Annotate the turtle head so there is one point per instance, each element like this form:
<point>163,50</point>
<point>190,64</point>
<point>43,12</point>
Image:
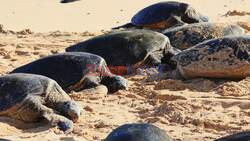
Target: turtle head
<point>204,18</point>
<point>71,110</point>
<point>191,15</point>
<point>114,83</point>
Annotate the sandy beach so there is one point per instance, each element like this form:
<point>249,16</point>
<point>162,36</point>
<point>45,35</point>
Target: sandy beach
<point>193,110</point>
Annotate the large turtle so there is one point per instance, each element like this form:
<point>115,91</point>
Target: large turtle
<point>75,71</point>
<point>164,15</point>
<point>187,36</point>
<point>127,49</point>
<point>226,57</point>
<point>138,132</point>
<point>242,136</point>
<point>29,98</point>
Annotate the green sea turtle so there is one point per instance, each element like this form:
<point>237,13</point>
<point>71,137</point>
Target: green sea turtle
<point>75,71</point>
<point>29,98</point>
<point>226,57</point>
<point>128,50</point>
<point>242,136</point>
<point>138,132</point>
<point>187,36</point>
<point>163,15</point>
<point>67,1</point>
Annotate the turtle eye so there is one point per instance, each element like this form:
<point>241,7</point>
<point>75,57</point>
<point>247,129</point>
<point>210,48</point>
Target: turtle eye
<point>66,105</point>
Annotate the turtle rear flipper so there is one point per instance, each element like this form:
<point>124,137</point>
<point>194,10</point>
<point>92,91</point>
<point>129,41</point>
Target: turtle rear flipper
<point>128,25</point>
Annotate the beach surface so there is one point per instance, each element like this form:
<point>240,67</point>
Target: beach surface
<point>193,110</point>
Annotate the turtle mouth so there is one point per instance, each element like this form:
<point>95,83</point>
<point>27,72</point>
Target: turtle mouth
<point>73,116</point>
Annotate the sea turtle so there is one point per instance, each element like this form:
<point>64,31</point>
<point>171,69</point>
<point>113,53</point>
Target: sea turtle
<point>138,132</point>
<point>2,139</point>
<point>67,1</point>
<point>187,36</point>
<point>125,51</point>
<point>242,136</point>
<point>163,15</point>
<point>226,57</point>
<point>75,71</point>
<point>30,97</point>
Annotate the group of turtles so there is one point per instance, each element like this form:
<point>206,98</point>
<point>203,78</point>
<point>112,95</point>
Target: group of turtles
<point>171,34</point>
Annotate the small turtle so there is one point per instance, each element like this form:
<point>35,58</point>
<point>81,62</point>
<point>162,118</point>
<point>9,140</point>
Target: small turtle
<point>67,1</point>
<point>242,136</point>
<point>138,132</point>
<point>2,139</point>
<point>187,36</point>
<point>127,49</point>
<point>29,98</point>
<point>164,15</point>
<point>75,71</point>
<point>226,57</point>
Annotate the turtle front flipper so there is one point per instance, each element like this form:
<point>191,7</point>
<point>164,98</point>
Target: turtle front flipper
<point>32,110</point>
<point>54,119</point>
<point>174,21</point>
<point>167,57</point>
<point>87,82</point>
<point>151,61</point>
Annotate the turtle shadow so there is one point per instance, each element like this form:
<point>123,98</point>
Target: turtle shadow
<point>223,87</point>
<point>195,85</point>
<point>35,127</point>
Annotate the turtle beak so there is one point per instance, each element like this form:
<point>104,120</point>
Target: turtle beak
<point>73,116</point>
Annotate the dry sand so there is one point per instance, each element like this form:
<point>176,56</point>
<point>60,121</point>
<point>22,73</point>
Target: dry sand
<point>198,109</point>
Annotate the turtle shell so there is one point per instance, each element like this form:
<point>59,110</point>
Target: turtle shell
<point>14,88</point>
<point>66,69</point>
<point>187,36</point>
<point>226,57</point>
<point>241,136</point>
<point>161,11</point>
<point>123,48</point>
<point>138,132</point>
